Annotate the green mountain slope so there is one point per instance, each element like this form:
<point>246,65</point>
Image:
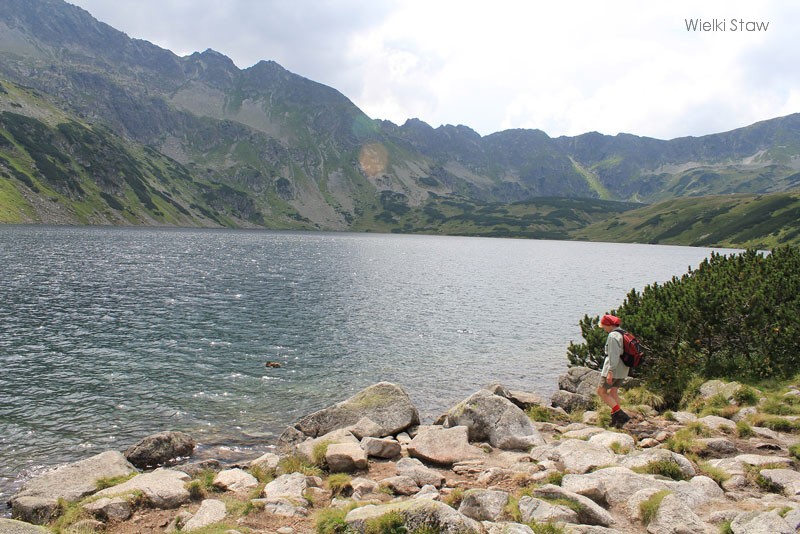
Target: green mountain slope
<point>740,221</point>
<point>99,128</point>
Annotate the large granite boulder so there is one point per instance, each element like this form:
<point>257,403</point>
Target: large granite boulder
<point>443,446</point>
<point>417,514</point>
<point>495,419</point>
<point>37,501</point>
<point>163,488</point>
<point>385,404</point>
<point>160,449</point>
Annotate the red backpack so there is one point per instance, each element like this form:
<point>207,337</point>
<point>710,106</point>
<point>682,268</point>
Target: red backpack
<point>632,349</point>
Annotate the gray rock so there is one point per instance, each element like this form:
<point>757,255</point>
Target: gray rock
<point>290,486</point>
<point>536,510</point>
<point>713,388</point>
<point>108,509</point>
<point>345,458</point>
<point>163,488</point>
<point>422,474</point>
<point>268,461</point>
<point>12,526</point>
<point>489,417</point>
<point>675,517</point>
<point>37,500</point>
<point>234,480</point>
<point>786,479</point>
<point>716,422</point>
<point>506,527</point>
<point>284,507</point>
<point>761,523</point>
<point>716,446</point>
<point>366,427</point>
<point>211,511</point>
<point>400,485</point>
<point>571,402</point>
<point>386,404</point>
<point>381,447</point>
<point>589,512</point>
<point>443,446</point>
<point>608,439</point>
<point>580,456</point>
<point>416,514</point>
<point>484,504</point>
<point>308,448</point>
<point>160,449</point>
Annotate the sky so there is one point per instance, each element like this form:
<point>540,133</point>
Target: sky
<point>565,67</point>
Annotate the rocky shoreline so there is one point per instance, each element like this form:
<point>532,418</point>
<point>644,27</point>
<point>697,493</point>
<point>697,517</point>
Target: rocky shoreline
<point>498,462</point>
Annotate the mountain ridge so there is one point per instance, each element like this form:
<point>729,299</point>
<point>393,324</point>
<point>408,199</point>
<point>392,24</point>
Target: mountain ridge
<point>304,156</point>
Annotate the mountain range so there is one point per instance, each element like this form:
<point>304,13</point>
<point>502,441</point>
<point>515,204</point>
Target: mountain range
<point>100,128</point>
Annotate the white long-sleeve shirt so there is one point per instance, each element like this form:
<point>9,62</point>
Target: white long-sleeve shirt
<point>613,362</point>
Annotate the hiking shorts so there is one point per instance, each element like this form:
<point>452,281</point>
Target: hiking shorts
<point>616,383</point>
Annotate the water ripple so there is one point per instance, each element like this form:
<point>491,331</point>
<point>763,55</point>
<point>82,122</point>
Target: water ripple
<point>110,334</point>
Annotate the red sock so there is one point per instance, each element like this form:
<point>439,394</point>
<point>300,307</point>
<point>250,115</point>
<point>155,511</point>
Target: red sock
<point>615,409</point>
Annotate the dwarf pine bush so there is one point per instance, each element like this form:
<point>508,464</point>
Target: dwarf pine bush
<point>734,316</point>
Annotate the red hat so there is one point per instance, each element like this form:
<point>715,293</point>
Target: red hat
<point>609,320</point>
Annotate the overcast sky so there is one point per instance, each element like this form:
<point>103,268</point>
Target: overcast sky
<point>566,67</point>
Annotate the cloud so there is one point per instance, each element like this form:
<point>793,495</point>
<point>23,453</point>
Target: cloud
<point>563,67</point>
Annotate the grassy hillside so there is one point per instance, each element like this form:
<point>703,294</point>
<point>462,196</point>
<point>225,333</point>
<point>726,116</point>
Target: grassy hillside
<point>740,221</point>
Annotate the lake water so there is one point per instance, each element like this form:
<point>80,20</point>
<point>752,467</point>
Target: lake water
<point>109,334</point>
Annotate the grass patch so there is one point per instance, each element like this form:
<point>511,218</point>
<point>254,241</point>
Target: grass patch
<point>296,463</point>
<point>331,521</point>
<point>794,450</point>
<point>779,406</point>
<point>110,482</point>
<point>339,483</point>
<point>753,475</point>
<point>746,396</point>
<point>778,424</point>
<point>391,523</point>
<point>539,413</point>
<point>318,454</point>
<point>649,508</point>
<point>264,475</point>
<point>744,430</point>
<point>545,528</point>
<point>512,509</point>
<point>68,513</point>
<point>665,468</point>
<point>714,473</point>
<point>684,440</point>
<point>646,397</point>
<point>454,498</point>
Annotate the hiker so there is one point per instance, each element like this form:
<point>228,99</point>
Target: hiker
<point>614,371</point>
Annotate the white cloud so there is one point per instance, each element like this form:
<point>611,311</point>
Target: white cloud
<point>565,68</point>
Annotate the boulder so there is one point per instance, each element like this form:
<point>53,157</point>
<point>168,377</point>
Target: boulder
<point>381,447</point>
<point>366,427</point>
<point>291,486</point>
<point>712,388</point>
<point>417,514</point>
<point>400,485</point>
<point>443,446</point>
<point>580,380</point>
<point>716,422</point>
<point>108,509</point>
<point>160,449</point>
<point>308,448</point>
<point>608,439</point>
<point>345,457</point>
<point>422,474</point>
<point>484,504</point>
<point>788,480</point>
<point>492,418</point>
<point>674,516</point>
<point>761,523</point>
<point>589,512</point>
<point>571,402</point>
<point>37,501</point>
<point>536,510</point>
<point>211,511</point>
<point>163,488</point>
<point>234,480</point>
<point>386,404</point>
<point>268,461</point>
<point>12,526</point>
<point>580,456</point>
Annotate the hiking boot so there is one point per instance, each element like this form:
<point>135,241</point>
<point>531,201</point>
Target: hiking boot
<point>619,419</point>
